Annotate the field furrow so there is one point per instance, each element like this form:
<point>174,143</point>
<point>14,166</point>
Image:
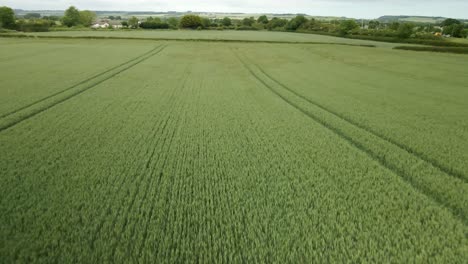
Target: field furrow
<point>211,152</point>
<point>387,94</point>
<point>446,189</point>
<point>90,79</point>
<point>43,105</point>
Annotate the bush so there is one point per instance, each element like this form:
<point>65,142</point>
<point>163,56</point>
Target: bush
<point>190,21</point>
<point>154,25</point>
<point>245,28</point>
<point>405,30</point>
<point>296,23</point>
<point>347,26</point>
<point>276,24</point>
<point>34,25</point>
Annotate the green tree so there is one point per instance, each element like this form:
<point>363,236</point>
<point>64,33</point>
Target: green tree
<point>206,22</point>
<point>248,21</point>
<point>52,18</point>
<point>32,16</point>
<point>374,24</point>
<point>346,26</point>
<point>133,22</point>
<point>7,17</point>
<point>457,31</point>
<point>124,23</point>
<point>72,17</point>
<point>190,21</point>
<point>154,19</point>
<point>394,26</point>
<point>263,20</point>
<point>87,18</point>
<point>296,22</point>
<point>227,22</point>
<point>405,30</point>
<point>276,23</point>
<point>450,22</point>
<point>464,33</point>
<point>173,22</point>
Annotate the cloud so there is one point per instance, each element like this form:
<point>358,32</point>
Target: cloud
<point>349,8</point>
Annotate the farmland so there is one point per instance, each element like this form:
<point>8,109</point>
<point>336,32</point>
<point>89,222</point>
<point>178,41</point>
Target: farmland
<point>228,35</point>
<point>183,151</point>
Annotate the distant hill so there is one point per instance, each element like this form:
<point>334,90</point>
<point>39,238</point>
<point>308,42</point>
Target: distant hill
<point>415,19</point>
<point>143,14</point>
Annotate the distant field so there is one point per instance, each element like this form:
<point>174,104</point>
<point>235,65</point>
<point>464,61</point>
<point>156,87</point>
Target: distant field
<point>159,151</point>
<point>212,34</point>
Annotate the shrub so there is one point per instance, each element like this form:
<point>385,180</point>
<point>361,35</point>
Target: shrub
<point>34,25</point>
<point>154,25</point>
<point>405,30</point>
<point>190,21</point>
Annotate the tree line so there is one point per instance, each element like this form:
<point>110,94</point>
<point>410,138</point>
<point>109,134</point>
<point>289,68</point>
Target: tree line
<point>345,27</point>
<point>36,22</point>
<point>300,23</point>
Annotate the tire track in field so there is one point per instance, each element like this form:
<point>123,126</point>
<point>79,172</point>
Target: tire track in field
<point>408,149</point>
<point>76,85</point>
<point>437,194</point>
<point>106,76</point>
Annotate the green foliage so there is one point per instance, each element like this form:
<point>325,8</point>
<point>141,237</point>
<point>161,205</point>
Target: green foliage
<point>296,23</point>
<point>173,22</point>
<point>248,21</point>
<point>35,25</point>
<point>154,19</point>
<point>124,23</point>
<point>32,16</point>
<point>72,17</point>
<point>405,30</point>
<point>87,18</point>
<point>227,22</point>
<point>464,33</point>
<point>7,17</point>
<point>346,26</point>
<point>450,22</point>
<point>263,19</point>
<point>206,22</point>
<point>154,25</point>
<point>190,21</point>
<point>454,30</point>
<point>394,26</point>
<point>133,22</point>
<point>374,24</point>
<point>277,24</point>
<point>52,18</point>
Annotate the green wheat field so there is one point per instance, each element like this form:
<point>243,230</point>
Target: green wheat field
<point>133,150</point>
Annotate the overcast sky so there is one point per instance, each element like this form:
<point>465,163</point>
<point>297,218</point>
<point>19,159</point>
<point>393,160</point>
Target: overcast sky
<point>349,8</point>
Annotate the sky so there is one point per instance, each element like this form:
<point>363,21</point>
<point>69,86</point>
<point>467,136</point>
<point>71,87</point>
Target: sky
<point>348,8</point>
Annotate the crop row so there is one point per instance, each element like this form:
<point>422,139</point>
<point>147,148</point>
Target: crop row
<point>197,161</point>
<point>16,116</point>
<point>424,176</point>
